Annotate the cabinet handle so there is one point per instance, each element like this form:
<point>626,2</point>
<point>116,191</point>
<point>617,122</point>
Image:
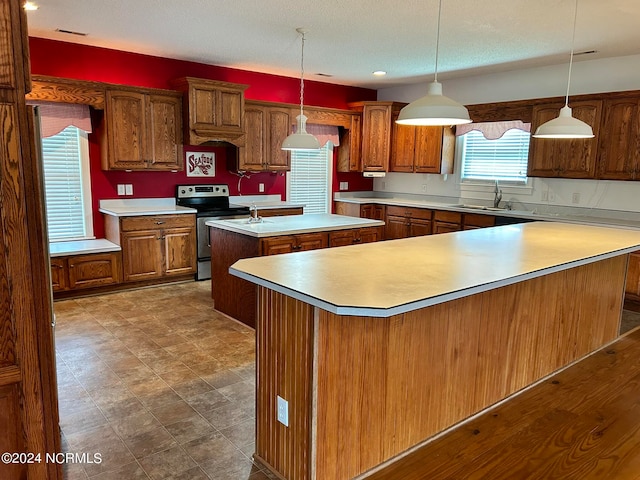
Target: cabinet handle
<point>356,240</point>
<point>296,247</point>
<point>158,238</point>
<point>159,223</point>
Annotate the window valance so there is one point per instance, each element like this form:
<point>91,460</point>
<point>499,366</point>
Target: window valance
<point>55,117</point>
<point>492,130</point>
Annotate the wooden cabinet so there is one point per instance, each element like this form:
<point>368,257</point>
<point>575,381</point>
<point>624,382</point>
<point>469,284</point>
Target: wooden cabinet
<point>350,148</point>
<point>632,288</point>
<point>293,243</point>
<point>142,130</point>
<point>354,236</point>
<point>76,272</point>
<point>266,128</point>
<point>372,211</point>
<point>403,222</point>
<point>213,110</point>
<point>476,220</point>
<point>619,147</point>
<point>565,158</point>
<point>276,212</point>
<point>421,149</point>
<point>154,247</point>
<point>445,221</point>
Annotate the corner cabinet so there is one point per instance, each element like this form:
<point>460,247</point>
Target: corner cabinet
<point>154,247</point>
<point>266,128</point>
<point>142,130</point>
<point>564,158</point>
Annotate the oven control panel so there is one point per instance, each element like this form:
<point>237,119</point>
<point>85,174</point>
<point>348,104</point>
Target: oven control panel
<point>196,191</point>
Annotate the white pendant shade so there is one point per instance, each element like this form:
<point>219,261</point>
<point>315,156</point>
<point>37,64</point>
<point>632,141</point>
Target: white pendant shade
<point>301,140</point>
<point>434,109</point>
<point>564,126</point>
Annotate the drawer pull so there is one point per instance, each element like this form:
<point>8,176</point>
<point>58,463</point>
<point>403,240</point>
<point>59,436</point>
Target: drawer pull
<point>159,223</point>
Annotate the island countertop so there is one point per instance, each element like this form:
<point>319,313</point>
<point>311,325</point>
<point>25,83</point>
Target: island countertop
<point>293,224</point>
<point>396,276</point>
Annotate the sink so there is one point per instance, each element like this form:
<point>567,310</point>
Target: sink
<point>482,207</point>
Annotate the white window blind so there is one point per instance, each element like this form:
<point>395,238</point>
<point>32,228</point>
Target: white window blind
<point>67,197</point>
<point>503,159</point>
<point>309,179</point>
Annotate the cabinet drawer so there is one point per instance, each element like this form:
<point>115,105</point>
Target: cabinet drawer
<point>422,213</point>
<point>396,211</point>
<point>478,220</point>
<point>449,217</point>
<point>148,222</point>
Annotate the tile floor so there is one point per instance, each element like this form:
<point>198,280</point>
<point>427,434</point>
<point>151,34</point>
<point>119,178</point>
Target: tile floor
<point>158,383</point>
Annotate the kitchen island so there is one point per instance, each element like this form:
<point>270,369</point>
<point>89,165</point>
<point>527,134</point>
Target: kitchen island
<point>376,348</point>
<point>235,239</point>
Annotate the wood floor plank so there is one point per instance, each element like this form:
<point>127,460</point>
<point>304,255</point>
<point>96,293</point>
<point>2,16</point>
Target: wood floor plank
<point>582,423</point>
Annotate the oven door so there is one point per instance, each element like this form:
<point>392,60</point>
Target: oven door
<point>204,245</point>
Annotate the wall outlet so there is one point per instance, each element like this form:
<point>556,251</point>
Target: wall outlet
<point>575,198</point>
<point>121,189</point>
<point>423,187</point>
<point>261,187</point>
<point>344,185</point>
<point>545,196</point>
<point>283,411</point>
<point>128,189</point>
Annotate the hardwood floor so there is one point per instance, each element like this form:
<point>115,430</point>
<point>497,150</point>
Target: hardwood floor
<point>582,423</point>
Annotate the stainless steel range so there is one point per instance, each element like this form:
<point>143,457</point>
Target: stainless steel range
<point>212,203</point>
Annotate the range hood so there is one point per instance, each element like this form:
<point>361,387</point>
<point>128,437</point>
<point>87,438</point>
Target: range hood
<point>374,174</point>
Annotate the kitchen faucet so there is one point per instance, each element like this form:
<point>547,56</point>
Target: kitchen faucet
<point>497,196</point>
<point>253,211</point>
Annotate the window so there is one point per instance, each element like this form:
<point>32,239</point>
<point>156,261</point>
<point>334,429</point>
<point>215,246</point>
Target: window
<point>308,182</point>
<point>503,159</point>
<point>65,158</point>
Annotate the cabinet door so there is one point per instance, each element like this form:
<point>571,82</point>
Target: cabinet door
<point>59,280</point>
<point>370,234</point>
<point>445,227</point>
<point>396,227</point>
<point>341,238</point>
<point>476,220</point>
<point>428,150</point>
<point>277,245</point>
<point>179,250</point>
<point>277,129</point>
<point>230,105</point>
<point>311,241</point>
<point>126,119</point>
<point>565,158</point>
<point>403,148</point>
<point>372,211</point>
<point>93,270</point>
<point>142,255</point>
<point>165,127</point>
<point>419,227</point>
<point>254,124</point>
<point>619,149</point>
<point>376,137</point>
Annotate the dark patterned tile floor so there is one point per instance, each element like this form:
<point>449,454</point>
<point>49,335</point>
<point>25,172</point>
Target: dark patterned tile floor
<point>159,384</point>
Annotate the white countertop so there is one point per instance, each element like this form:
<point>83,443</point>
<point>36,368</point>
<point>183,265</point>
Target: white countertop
<point>143,206</point>
<point>396,276</point>
<point>80,247</point>
<point>293,224</point>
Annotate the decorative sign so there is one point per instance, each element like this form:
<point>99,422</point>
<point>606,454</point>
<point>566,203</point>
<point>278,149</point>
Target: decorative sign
<point>201,164</point>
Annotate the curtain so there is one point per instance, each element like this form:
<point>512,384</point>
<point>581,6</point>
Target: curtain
<point>492,130</point>
<point>55,117</point>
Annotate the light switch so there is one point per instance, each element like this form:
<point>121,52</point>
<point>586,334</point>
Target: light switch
<point>121,189</point>
<point>261,187</point>
<point>128,189</point>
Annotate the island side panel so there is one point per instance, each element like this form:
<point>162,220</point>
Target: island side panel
<point>284,367</point>
<point>387,384</point>
<point>232,295</point>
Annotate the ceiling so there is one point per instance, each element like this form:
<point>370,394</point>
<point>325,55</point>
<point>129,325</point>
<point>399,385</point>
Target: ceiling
<point>347,40</point>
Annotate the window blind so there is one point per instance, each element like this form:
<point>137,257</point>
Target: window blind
<point>308,180</point>
<point>504,159</point>
<point>63,179</point>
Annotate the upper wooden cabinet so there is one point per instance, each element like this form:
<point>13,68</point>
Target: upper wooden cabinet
<point>213,110</point>
<point>575,158</point>
<point>266,128</point>
<point>349,151</point>
<point>421,149</point>
<point>142,130</point>
<point>619,147</point>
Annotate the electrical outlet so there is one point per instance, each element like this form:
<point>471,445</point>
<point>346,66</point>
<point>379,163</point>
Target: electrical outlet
<point>575,198</point>
<point>283,411</point>
<point>121,189</point>
<point>423,187</point>
<point>344,185</point>
<point>128,189</point>
<point>261,187</point>
<point>545,196</point>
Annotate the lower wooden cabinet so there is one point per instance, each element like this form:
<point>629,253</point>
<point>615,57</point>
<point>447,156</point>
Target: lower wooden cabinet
<point>632,289</point>
<point>154,247</point>
<point>354,236</point>
<point>293,243</point>
<point>85,271</point>
<point>476,220</point>
<point>403,222</point>
<point>445,221</point>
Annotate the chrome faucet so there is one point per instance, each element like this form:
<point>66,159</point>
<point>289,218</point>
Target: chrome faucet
<point>497,196</point>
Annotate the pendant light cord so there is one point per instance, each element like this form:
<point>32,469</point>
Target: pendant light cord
<point>302,75</point>
<point>438,40</point>
<point>573,41</point>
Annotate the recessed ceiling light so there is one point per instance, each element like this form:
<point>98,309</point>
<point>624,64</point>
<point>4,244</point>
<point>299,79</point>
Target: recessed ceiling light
<point>379,73</point>
<point>29,6</point>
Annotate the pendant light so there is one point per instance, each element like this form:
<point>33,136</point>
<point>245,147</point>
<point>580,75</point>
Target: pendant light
<point>565,125</point>
<point>301,140</point>
<point>434,108</point>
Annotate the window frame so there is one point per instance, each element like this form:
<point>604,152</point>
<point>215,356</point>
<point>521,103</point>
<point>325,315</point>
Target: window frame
<point>329,148</point>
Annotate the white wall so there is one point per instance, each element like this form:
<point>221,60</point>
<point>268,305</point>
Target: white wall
<point>592,76</point>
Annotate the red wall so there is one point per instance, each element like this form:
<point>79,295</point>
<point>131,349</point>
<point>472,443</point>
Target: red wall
<point>70,60</point>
